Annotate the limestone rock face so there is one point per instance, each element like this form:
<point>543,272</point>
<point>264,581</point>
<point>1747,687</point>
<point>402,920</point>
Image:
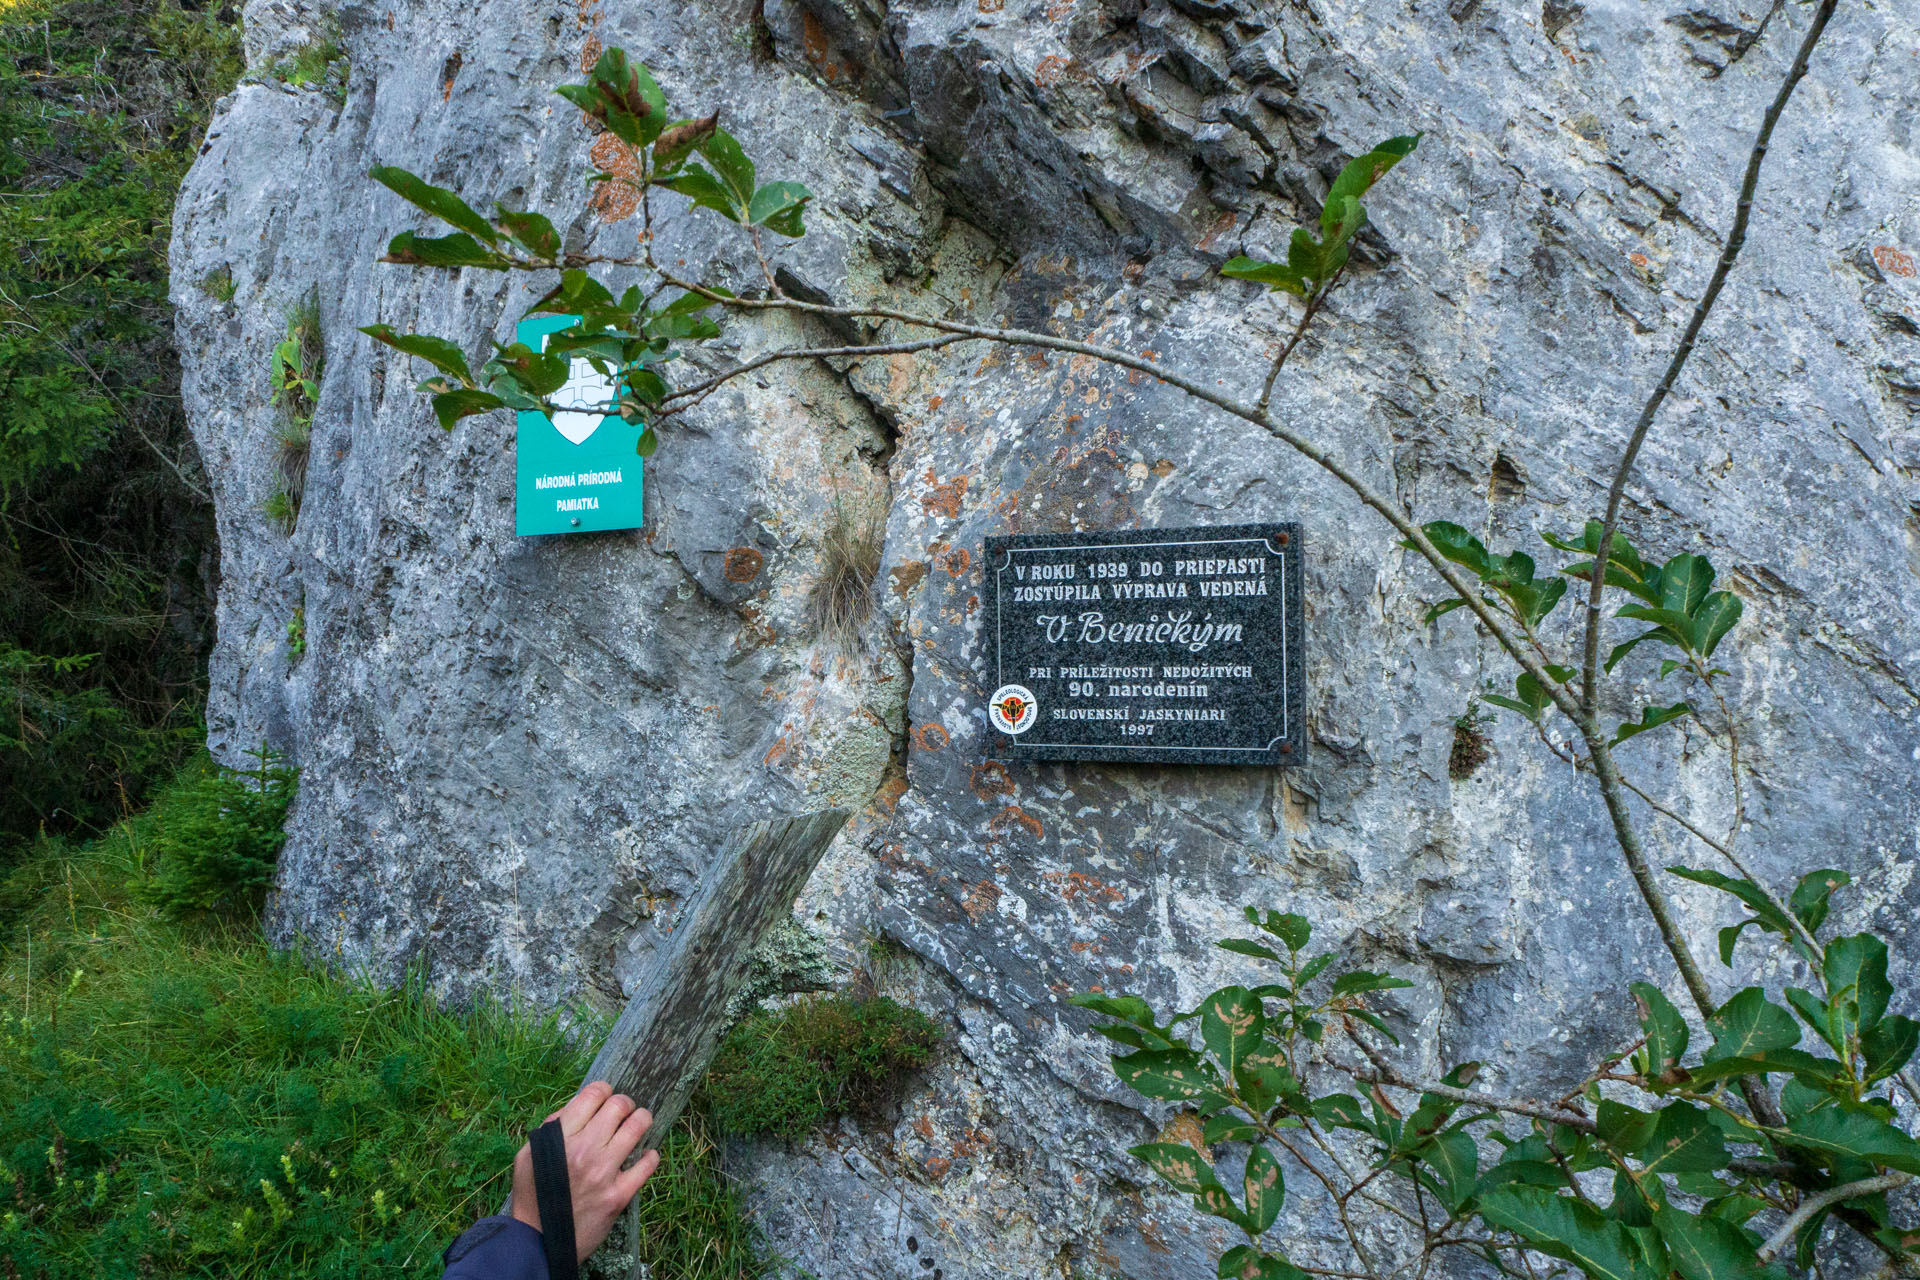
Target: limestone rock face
<point>515,753</point>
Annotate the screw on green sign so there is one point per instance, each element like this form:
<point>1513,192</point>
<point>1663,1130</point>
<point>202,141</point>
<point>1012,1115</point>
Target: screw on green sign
<point>578,472</point>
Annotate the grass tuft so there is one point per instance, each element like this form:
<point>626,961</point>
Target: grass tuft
<point>785,1072</point>
<point>176,1098</point>
<point>849,560</point>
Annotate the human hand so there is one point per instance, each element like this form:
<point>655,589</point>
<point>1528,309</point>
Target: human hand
<point>601,1128</point>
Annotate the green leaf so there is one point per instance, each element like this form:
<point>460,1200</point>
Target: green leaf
<point>1859,961</point>
<point>1456,1159</point>
<point>1177,1075</point>
<point>438,201</point>
<point>778,205</point>
<point>531,231</point>
<point>1797,1062</point>
<point>1126,1008</point>
<point>1684,584</point>
<point>1179,1165</point>
<point>1216,1201</point>
<point>1273,274</point>
<point>1293,930</point>
<point>1624,1128</point>
<point>1228,1128</point>
<point>1264,1189</point>
<point>451,406</point>
<point>1767,915</point>
<point>1244,1262</point>
<point>1814,1012</point>
<point>1809,902</point>
<point>1704,1248</point>
<point>1359,175</point>
<point>648,443</point>
<point>1666,1030</point>
<point>1886,1046</point>
<point>622,95</point>
<point>1363,980</point>
<point>1651,718</point>
<point>456,250</point>
<point>1231,1022</point>
<point>1567,1229</point>
<point>1684,1140</point>
<point>1444,607</point>
<point>730,163</point>
<point>1247,947</point>
<point>1748,1024</point>
<point>706,191</point>
<point>1457,545</point>
<point>1716,616</point>
<point>438,352</point>
<point>1843,1132</point>
<point>1621,650</point>
<point>1343,1111</point>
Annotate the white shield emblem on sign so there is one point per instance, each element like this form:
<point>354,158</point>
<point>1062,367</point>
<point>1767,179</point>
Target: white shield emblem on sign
<point>580,405</point>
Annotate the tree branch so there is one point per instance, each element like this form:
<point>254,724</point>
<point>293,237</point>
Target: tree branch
<point>1735,240</point>
<point>1814,1205</point>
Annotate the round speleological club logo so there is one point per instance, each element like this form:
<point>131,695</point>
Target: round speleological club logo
<point>1012,709</point>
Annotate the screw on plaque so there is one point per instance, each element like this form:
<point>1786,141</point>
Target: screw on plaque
<point>576,522</point>
<point>1286,748</point>
<point>1284,538</point>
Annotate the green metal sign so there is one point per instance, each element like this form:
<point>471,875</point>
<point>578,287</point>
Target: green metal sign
<point>578,472</point>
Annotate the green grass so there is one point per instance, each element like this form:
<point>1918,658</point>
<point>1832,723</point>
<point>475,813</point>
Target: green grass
<point>178,1099</point>
<point>785,1072</point>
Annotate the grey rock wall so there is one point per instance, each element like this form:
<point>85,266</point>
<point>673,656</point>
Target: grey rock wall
<point>516,752</point>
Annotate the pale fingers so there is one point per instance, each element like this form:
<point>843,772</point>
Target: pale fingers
<point>607,1120</point>
<point>631,1130</point>
<point>585,1104</point>
<point>628,1184</point>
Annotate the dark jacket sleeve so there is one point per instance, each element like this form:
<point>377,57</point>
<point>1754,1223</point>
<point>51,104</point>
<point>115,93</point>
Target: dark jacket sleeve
<point>497,1248</point>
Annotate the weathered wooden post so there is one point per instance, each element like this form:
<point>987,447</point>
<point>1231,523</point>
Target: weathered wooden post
<point>671,1028</point>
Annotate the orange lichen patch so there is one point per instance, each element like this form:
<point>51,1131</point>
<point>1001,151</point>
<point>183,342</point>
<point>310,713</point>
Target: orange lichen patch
<point>991,6</point>
<point>933,405</point>
<point>930,737</point>
<point>907,576</point>
<point>1037,360</point>
<point>889,794</point>
<point>590,52</point>
<point>955,562</point>
<point>980,899</point>
<point>1014,817</point>
<point>1059,9</point>
<point>936,1167</point>
<point>777,751</point>
<point>944,499</point>
<point>1893,261</point>
<point>990,779</point>
<point>971,1143</point>
<point>1077,886</point>
<point>448,72</point>
<point>1185,1128</point>
<point>743,564</point>
<point>614,201</point>
<point>924,1125</point>
<point>1082,948</point>
<point>1163,468</point>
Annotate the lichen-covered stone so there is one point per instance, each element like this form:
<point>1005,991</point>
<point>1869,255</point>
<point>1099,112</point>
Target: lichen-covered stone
<point>516,752</point>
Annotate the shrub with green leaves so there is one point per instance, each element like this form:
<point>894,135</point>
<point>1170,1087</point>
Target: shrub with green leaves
<point>222,835</point>
<point>1663,1163</point>
<point>785,1072</point>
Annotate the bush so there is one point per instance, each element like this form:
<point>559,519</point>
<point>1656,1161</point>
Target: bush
<point>177,1099</point>
<point>218,834</point>
<point>783,1073</point>
<point>106,534</point>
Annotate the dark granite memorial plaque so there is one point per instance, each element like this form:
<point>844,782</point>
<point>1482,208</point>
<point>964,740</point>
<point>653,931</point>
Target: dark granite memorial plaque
<point>1155,645</point>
